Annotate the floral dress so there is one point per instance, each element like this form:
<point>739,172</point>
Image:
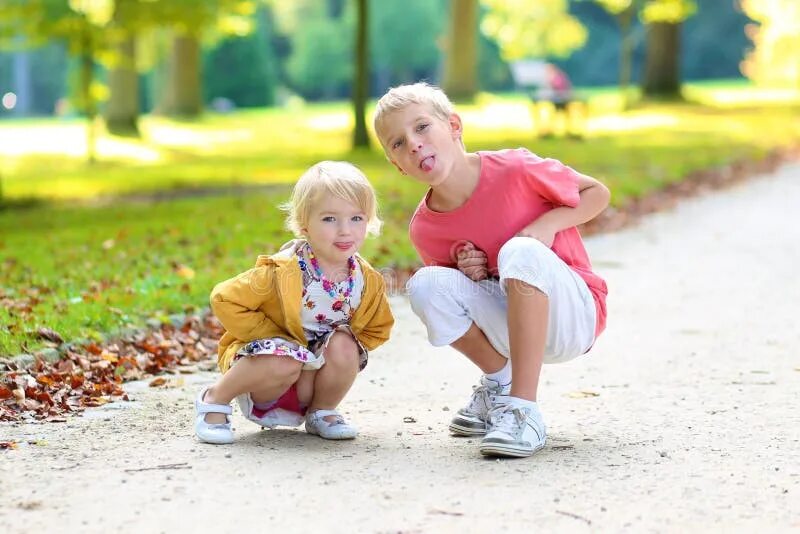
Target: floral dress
<point>321,315</point>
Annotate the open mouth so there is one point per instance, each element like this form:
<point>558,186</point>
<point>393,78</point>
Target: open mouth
<point>427,163</point>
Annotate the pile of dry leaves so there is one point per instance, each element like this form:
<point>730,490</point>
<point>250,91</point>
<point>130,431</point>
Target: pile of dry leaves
<point>92,375</point>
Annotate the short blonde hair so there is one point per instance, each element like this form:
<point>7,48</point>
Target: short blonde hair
<point>338,178</point>
<point>402,96</point>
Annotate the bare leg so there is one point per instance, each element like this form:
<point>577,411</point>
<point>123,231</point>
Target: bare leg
<point>305,386</point>
<point>265,377</point>
<point>527,330</point>
<point>477,348</point>
<point>335,378</point>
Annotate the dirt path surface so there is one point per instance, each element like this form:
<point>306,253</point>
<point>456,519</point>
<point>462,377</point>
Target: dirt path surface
<point>684,417</point>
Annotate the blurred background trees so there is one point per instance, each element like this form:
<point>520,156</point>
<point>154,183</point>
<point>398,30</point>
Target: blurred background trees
<point>119,58</point>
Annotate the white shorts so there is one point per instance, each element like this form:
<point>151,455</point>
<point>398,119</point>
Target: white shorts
<point>448,302</point>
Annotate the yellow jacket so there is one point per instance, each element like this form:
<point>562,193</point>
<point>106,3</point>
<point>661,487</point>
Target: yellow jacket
<point>265,302</point>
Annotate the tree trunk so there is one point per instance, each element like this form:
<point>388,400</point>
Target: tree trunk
<point>361,78</point>
<point>182,95</point>
<point>460,80</point>
<point>22,83</point>
<point>662,61</point>
<point>122,110</point>
<point>88,103</point>
<point>625,20</point>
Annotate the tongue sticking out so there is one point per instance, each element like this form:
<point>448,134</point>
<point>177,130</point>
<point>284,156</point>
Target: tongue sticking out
<point>427,164</point>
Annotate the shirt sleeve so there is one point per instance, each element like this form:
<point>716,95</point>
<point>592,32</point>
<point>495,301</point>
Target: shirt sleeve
<point>551,179</point>
<point>375,319</point>
<point>237,302</point>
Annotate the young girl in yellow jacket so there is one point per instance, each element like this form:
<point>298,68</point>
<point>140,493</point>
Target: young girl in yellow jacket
<point>299,324</point>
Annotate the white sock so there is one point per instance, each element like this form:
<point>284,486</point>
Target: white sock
<point>503,376</point>
<point>522,403</point>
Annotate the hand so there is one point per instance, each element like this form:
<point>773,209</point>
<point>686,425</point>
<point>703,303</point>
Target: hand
<point>539,231</point>
<point>472,262</point>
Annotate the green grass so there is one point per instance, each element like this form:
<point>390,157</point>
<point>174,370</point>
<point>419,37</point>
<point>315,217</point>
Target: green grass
<point>86,268</point>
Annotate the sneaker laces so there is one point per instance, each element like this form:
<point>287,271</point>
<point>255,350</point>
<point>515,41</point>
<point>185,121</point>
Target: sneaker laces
<point>480,400</point>
<point>483,397</point>
<point>507,419</point>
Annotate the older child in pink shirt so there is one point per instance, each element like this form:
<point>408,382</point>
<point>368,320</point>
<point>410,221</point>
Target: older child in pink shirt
<point>507,280</point>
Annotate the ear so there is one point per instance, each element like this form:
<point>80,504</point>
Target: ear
<point>456,128</point>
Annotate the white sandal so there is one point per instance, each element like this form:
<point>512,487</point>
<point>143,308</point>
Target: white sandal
<point>339,429</point>
<point>216,433</point>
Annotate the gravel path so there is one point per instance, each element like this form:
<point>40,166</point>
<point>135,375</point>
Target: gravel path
<point>684,417</point>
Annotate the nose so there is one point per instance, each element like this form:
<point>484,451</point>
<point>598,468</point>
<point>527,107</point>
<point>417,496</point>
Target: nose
<point>414,144</point>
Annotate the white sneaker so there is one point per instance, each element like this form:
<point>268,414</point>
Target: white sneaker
<point>514,430</point>
<point>471,419</point>
<point>338,429</point>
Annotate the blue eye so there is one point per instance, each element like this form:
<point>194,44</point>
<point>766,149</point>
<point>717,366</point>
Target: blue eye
<point>329,218</point>
<point>397,144</point>
<point>422,126</point>
<point>357,218</point>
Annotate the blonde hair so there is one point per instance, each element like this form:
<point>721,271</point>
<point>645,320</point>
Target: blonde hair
<point>402,96</point>
<point>338,178</point>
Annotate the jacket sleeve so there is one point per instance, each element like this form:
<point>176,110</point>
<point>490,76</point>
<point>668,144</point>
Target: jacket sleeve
<point>237,302</point>
<point>379,325</point>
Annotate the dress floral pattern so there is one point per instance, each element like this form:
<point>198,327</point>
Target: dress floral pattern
<point>321,315</point>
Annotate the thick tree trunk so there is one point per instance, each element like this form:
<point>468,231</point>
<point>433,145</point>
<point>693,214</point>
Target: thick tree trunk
<point>460,79</point>
<point>662,61</point>
<point>361,78</point>
<point>122,110</point>
<point>182,94</point>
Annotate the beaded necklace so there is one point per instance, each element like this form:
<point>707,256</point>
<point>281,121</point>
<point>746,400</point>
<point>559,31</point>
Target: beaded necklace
<point>330,287</point>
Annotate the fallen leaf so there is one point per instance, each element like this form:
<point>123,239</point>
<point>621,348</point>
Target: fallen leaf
<point>184,272</point>
<point>50,335</point>
<point>8,445</point>
<point>158,381</point>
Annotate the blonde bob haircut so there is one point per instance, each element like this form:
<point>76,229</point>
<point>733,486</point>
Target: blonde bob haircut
<point>402,96</point>
<point>338,178</point>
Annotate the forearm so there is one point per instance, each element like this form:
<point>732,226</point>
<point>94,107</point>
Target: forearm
<point>593,200</point>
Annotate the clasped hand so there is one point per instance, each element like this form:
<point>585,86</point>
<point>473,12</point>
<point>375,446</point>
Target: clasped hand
<point>473,262</point>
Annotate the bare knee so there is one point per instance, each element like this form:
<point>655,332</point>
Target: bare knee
<point>342,351</point>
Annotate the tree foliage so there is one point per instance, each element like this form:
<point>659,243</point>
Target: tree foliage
<point>532,28</point>
<point>321,62</point>
<point>776,42</point>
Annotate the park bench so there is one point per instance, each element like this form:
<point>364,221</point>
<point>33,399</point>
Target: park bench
<point>555,107</point>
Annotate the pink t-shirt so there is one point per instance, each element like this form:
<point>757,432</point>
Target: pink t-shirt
<point>514,188</point>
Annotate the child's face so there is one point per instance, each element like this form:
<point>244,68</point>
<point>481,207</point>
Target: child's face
<point>336,229</point>
<point>421,144</point>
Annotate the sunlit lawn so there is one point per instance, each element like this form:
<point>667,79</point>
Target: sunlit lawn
<point>87,269</point>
